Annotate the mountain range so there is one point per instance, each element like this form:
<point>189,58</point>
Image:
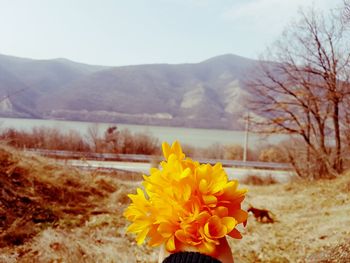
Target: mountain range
<point>209,94</point>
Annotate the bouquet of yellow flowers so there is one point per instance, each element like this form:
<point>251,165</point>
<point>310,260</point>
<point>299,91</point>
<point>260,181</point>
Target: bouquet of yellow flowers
<point>186,203</point>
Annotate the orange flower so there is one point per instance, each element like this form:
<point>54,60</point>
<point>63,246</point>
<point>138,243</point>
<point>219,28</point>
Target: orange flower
<point>186,202</point>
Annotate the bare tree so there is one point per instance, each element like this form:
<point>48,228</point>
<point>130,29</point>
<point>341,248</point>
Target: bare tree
<point>346,11</point>
<point>93,137</point>
<point>302,93</point>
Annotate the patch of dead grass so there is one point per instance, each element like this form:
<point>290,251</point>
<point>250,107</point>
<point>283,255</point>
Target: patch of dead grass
<point>79,217</point>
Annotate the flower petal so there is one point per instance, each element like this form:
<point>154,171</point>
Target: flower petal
<point>170,244</point>
<point>166,150</point>
<point>229,222</point>
<point>156,239</point>
<point>176,148</point>
<point>207,248</point>
<point>141,236</point>
<point>214,228</point>
<point>240,215</point>
<point>235,234</point>
<point>221,211</point>
<point>166,229</point>
<point>209,199</point>
<point>203,186</point>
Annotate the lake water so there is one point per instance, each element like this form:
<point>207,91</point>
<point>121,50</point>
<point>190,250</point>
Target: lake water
<point>194,137</point>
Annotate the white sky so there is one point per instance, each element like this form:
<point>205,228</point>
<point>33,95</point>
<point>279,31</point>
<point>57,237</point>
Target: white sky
<point>124,32</point>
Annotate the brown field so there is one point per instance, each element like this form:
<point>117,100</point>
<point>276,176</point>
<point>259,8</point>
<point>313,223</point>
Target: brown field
<point>51,213</point>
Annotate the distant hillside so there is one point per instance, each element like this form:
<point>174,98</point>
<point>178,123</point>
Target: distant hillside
<point>209,94</point>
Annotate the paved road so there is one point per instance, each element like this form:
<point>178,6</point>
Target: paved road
<point>149,158</point>
<point>237,173</point>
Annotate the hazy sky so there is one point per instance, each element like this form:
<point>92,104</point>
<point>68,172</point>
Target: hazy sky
<point>123,32</point>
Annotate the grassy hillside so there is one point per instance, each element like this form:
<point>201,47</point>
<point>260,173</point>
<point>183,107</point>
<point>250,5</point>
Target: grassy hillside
<point>53,213</point>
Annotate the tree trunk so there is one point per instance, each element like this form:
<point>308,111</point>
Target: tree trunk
<point>338,163</point>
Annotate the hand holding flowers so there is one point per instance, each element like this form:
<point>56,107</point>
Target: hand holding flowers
<point>186,204</point>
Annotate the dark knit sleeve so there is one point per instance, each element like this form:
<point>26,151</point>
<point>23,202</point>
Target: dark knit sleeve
<point>190,257</point>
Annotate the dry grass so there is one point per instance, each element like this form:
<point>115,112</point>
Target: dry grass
<point>51,213</point>
<point>313,220</point>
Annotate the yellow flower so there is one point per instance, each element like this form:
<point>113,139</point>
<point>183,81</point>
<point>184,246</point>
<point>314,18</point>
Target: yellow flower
<point>138,213</point>
<point>174,149</point>
<point>186,202</point>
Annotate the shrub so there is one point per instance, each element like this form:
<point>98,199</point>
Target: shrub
<point>45,138</point>
<point>233,152</point>
<point>273,154</point>
<point>112,141</point>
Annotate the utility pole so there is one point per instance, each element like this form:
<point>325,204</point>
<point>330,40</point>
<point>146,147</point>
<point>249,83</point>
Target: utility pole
<point>245,151</point>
